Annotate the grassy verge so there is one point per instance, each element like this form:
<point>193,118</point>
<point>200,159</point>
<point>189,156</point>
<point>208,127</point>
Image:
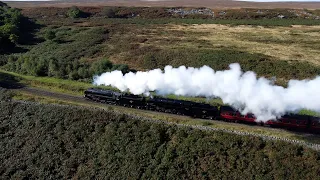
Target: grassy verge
<point>50,83</point>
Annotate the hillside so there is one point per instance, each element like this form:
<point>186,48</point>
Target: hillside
<point>62,142</point>
<point>77,43</point>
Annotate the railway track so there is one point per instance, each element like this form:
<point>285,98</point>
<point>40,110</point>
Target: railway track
<point>80,99</point>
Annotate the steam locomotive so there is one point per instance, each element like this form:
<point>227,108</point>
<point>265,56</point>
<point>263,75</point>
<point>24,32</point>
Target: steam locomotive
<point>199,110</point>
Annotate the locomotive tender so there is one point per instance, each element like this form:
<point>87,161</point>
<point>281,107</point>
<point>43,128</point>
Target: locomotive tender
<point>200,110</point>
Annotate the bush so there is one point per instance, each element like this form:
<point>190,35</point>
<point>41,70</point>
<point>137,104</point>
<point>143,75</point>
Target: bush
<point>3,59</point>
<point>75,12</point>
<point>5,95</point>
<point>109,12</point>
<point>100,67</point>
<point>50,35</point>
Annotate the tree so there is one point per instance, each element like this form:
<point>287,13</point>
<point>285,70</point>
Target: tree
<point>100,67</point>
<point>10,19</point>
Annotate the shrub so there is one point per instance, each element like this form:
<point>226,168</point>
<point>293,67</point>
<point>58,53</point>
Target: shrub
<point>109,12</point>
<point>3,59</point>
<point>10,19</point>
<point>75,12</point>
<point>50,35</point>
<point>5,94</point>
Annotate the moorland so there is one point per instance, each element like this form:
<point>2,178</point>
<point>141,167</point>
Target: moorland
<point>59,49</point>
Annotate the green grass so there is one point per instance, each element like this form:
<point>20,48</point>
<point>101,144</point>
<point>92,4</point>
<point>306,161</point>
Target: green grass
<point>310,113</point>
<point>45,100</point>
<point>51,84</point>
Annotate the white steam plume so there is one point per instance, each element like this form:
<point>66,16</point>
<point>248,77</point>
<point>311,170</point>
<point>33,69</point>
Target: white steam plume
<point>242,90</point>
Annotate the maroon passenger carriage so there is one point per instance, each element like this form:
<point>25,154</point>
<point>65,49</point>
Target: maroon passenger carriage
<point>289,121</point>
<point>229,114</point>
<point>294,121</point>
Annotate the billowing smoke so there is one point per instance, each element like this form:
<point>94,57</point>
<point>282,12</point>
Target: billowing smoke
<point>242,90</point>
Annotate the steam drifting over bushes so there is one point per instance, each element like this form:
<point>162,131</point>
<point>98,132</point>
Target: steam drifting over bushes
<point>242,90</point>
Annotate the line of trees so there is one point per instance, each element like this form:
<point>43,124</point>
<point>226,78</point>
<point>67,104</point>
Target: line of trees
<point>35,66</point>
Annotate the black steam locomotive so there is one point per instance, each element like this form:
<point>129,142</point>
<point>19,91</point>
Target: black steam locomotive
<point>199,110</point>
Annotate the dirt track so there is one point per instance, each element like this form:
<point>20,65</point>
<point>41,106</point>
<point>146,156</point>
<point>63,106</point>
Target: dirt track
<point>40,92</point>
<point>171,3</point>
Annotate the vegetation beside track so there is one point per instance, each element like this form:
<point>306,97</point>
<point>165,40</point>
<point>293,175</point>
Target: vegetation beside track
<point>78,142</point>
